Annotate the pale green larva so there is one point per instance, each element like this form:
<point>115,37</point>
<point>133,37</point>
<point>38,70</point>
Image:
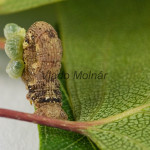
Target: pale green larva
<point>12,29</point>
<point>15,68</point>
<point>13,47</point>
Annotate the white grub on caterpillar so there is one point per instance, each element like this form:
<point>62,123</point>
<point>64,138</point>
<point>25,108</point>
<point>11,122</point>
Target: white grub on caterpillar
<point>42,53</point>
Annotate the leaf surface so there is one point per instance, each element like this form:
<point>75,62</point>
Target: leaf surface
<point>11,6</point>
<point>113,37</point>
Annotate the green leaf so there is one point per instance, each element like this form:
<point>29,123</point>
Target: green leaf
<point>11,6</point>
<point>131,132</point>
<point>113,37</point>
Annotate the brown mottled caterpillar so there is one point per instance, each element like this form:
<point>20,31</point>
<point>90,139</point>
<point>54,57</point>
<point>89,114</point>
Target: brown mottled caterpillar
<point>42,53</point>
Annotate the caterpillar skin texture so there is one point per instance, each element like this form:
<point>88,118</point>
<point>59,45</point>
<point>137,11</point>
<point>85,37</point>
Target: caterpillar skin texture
<point>42,53</point>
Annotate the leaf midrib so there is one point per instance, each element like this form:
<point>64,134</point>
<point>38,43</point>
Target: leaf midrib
<point>118,116</point>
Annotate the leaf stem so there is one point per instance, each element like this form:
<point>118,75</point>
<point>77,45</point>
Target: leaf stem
<point>62,124</point>
<point>74,126</point>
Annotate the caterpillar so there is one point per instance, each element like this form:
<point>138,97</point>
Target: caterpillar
<point>42,53</point>
<point>38,63</point>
